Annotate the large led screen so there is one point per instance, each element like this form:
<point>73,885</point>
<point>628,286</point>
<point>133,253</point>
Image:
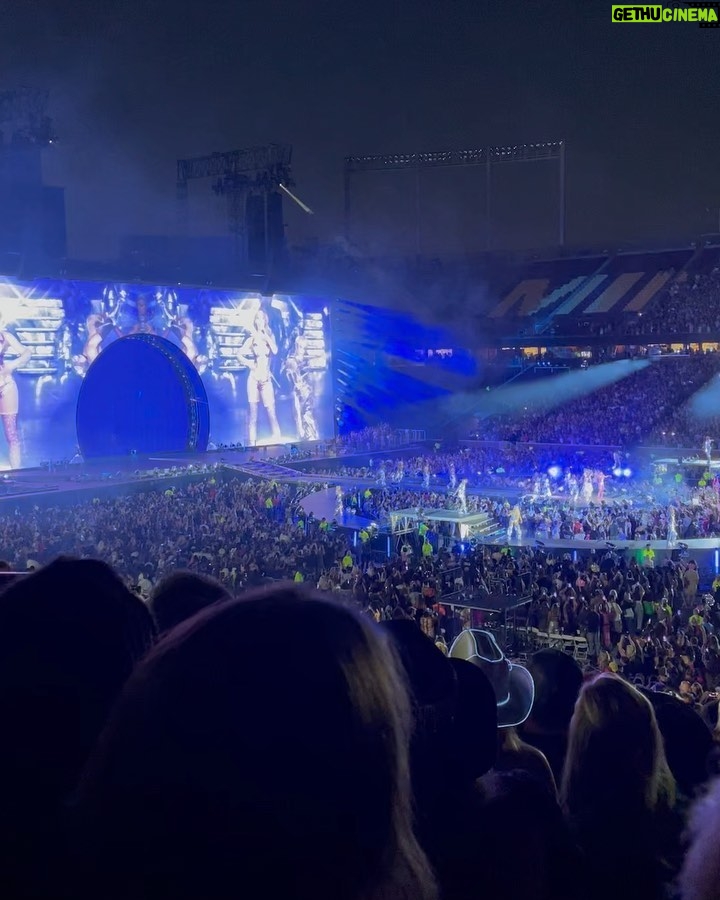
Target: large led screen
<point>265,361</point>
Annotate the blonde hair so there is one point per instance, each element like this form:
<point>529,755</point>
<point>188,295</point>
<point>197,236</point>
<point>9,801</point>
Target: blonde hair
<point>615,757</point>
<point>700,877</point>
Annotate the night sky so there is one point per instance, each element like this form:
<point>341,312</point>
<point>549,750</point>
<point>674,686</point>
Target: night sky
<point>137,83</point>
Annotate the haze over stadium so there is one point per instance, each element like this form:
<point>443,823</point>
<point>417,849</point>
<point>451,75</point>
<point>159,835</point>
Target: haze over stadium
<point>360,451</point>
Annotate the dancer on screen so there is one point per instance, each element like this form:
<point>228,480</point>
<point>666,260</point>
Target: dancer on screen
<point>300,378</point>
<point>189,345</point>
<point>9,400</point>
<point>94,327</point>
<point>256,353</point>
<point>144,323</point>
<point>102,326</point>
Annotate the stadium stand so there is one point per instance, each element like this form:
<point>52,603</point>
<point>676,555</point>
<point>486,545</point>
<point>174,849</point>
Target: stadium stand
<point>591,286</point>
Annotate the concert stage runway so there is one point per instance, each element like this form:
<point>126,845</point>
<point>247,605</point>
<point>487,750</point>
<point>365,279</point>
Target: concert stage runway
<point>126,471</point>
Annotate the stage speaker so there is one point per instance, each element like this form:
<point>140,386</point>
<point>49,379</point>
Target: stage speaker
<point>265,230</point>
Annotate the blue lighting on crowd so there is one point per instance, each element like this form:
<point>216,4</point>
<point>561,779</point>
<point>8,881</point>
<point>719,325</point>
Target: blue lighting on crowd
<point>511,399</point>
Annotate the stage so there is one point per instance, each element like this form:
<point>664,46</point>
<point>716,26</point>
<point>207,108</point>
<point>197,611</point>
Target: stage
<point>618,546</point>
<point>126,471</point>
<point>698,462</point>
<point>115,476</point>
<point>479,525</point>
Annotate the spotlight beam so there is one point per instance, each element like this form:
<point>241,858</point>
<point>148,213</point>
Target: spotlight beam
<point>303,206</point>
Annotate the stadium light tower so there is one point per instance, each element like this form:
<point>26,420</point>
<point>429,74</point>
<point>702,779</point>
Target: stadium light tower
<point>485,158</point>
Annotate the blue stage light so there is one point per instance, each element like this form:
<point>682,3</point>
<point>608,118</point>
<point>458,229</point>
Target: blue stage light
<point>617,473</point>
<point>555,472</point>
<point>627,473</point>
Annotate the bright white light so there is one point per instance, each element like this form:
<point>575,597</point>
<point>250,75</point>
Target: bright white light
<point>555,472</point>
<point>617,472</point>
<point>627,473</point>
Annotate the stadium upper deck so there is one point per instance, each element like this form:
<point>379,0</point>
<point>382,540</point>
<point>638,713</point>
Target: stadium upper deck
<point>581,295</point>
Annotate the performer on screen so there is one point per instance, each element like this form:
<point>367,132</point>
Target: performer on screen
<point>256,353</point>
<point>190,347</point>
<point>300,378</point>
<point>9,400</point>
<point>144,323</point>
<point>167,303</point>
<point>113,304</point>
<point>94,326</point>
<point>102,327</point>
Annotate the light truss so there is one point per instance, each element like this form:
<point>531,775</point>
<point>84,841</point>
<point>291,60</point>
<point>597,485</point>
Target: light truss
<point>474,157</point>
<point>274,158</point>
<point>485,157</point>
<point>236,175</point>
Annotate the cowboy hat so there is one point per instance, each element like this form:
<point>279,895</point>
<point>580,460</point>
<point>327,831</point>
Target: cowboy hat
<point>513,685</point>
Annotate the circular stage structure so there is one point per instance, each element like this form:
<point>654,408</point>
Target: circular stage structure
<point>141,395</point>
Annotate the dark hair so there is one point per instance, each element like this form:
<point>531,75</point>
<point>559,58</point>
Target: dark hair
<point>262,743</point>
<point>558,679</point>
<point>70,635</point>
<point>687,740</point>
<point>516,803</point>
<point>181,595</point>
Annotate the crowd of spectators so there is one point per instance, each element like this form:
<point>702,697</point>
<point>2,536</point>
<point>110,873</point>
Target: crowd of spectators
<point>625,412</point>
<point>562,520</point>
<point>689,306</point>
<point>690,424</point>
<point>358,742</point>
<point>370,438</point>
<point>207,692</point>
<point>240,532</point>
<point>492,466</point>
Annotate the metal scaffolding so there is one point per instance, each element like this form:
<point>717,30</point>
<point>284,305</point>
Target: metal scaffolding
<point>238,174</point>
<point>484,157</point>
